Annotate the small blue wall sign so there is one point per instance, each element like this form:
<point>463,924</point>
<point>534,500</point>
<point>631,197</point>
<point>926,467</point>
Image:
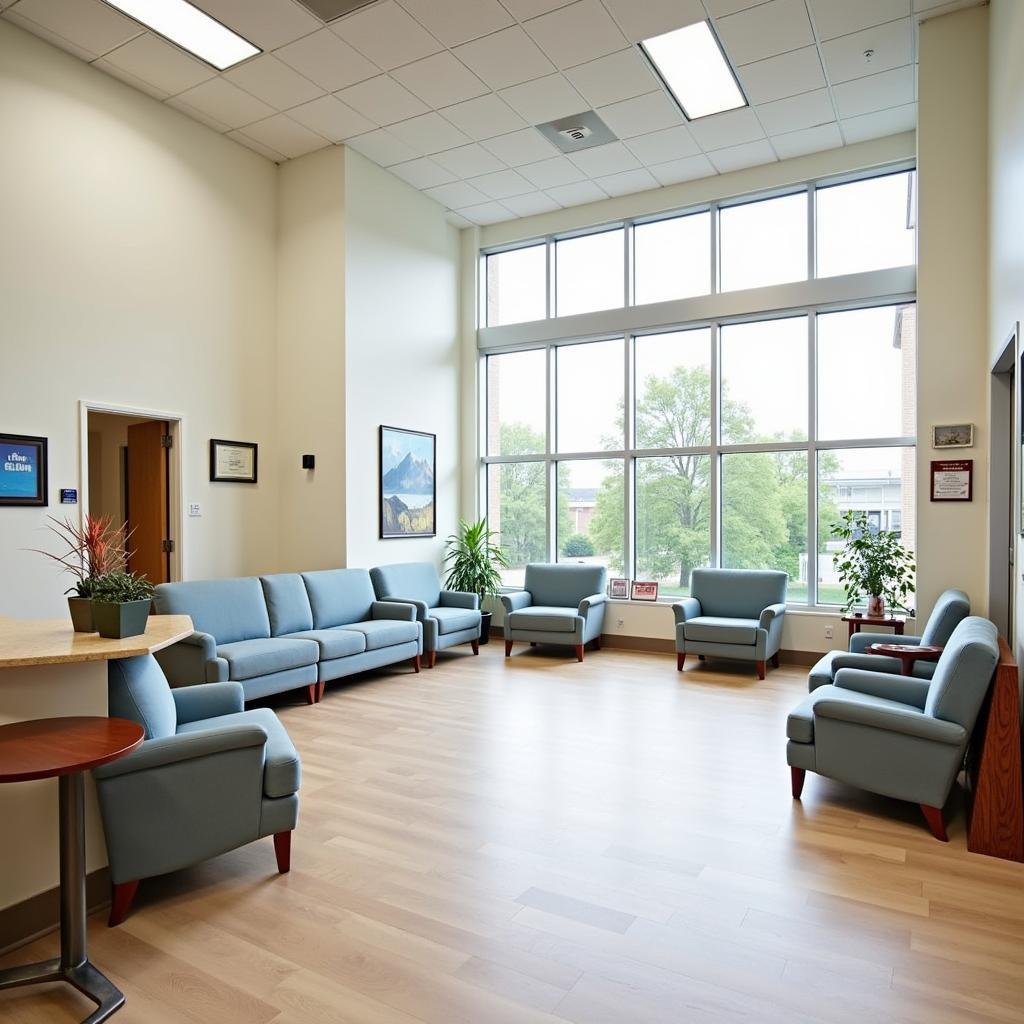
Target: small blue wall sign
<point>68,496</point>
<point>22,470</point>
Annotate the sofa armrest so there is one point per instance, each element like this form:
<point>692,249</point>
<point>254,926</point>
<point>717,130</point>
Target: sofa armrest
<point>204,641</point>
<point>516,600</point>
<point>208,700</point>
<point>393,610</point>
<point>421,606</point>
<point>460,599</point>
<point>908,722</point>
<point>770,614</point>
<point>688,608</point>
<point>184,746</point>
<point>590,602</point>
<point>903,689</point>
<point>861,641</point>
<point>186,661</point>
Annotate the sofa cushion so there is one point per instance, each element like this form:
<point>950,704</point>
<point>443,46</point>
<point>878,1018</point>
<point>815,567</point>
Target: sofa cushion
<point>287,603</point>
<point>564,585</point>
<point>737,593</point>
<point>717,629</point>
<point>334,643</point>
<point>413,581</point>
<point>339,596</point>
<point>380,633</point>
<point>544,619</point>
<point>250,658</point>
<point>229,610</point>
<point>452,620</point>
<point>137,690</point>
<point>281,769</point>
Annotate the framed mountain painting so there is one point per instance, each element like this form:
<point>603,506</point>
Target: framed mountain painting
<point>407,489</point>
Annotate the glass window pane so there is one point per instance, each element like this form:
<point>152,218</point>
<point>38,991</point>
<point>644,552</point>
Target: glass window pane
<point>673,389</point>
<point>590,386</point>
<point>673,520</point>
<point>672,259</point>
<point>764,381</point>
<point>867,381</point>
<point>764,515</point>
<point>591,515</point>
<point>590,273</point>
<point>517,286</point>
<point>516,399</point>
<point>517,513</point>
<point>866,225</point>
<point>878,481</point>
<point>763,243</point>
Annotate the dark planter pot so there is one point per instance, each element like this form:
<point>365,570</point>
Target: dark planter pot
<point>81,614</point>
<point>115,621</point>
<point>485,627</point>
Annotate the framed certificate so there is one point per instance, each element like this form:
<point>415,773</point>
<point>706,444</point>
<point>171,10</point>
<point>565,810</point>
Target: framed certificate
<point>644,591</point>
<point>618,588</point>
<point>232,461</point>
<point>22,470</point>
<point>953,480</point>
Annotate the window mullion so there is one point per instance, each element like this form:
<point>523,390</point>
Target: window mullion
<point>628,477</point>
<point>714,470</point>
<point>812,458</point>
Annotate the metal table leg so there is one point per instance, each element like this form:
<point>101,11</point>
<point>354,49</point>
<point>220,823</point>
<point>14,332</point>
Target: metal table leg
<point>73,965</point>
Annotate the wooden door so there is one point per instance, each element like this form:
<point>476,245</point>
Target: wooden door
<point>147,490</point>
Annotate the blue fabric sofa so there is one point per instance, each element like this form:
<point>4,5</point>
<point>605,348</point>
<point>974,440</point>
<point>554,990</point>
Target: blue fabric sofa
<point>559,604</point>
<point>448,617</point>
<point>732,613</point>
<point>278,633</point>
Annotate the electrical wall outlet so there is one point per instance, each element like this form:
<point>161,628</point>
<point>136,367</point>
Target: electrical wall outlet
<point>828,633</point>
<point>194,509</point>
<point>620,622</point>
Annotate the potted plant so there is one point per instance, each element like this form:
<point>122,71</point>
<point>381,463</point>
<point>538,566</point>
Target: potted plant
<point>472,561</point>
<point>120,604</point>
<point>872,562</point>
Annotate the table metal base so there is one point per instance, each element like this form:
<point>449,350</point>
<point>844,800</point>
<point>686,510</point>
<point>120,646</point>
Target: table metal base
<point>72,966</point>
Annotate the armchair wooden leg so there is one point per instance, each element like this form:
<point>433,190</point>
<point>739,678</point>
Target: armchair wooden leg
<point>579,652</point>
<point>283,851</point>
<point>475,644</point>
<point>680,661</point>
<point>431,659</point>
<point>933,815</point>
<point>416,663</point>
<point>320,687</point>
<point>311,693</point>
<point>760,670</point>
<point>508,648</point>
<point>797,776</point>
<point>121,897</point>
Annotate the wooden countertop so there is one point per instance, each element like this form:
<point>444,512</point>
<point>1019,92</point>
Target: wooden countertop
<point>54,642</point>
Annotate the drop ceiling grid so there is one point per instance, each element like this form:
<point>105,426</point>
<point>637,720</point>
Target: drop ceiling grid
<point>270,105</point>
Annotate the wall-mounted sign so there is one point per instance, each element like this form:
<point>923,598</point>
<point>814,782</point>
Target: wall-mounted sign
<point>68,496</point>
<point>22,470</point>
<point>953,480</point>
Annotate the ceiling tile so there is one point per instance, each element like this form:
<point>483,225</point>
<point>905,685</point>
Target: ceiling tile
<point>641,115</point>
<point>766,30</point>
<point>750,154</point>
<point>877,125</point>
<point>530,204</point>
<point>457,220</point>
<point>577,194</point>
<point>807,140</point>
<point>892,44</point>
<point>522,147</point>
<point>660,147</point>
<point>457,194</point>
<point>11,14</point>
<point>274,82</point>
<point>486,213</point>
<point>284,135</point>
<point>626,182</point>
<point>422,173</point>
<point>484,117</point>
<point>785,75</point>
<point>619,76</point>
<point>268,25</point>
<point>688,169</point>
<point>577,33</point>
<point>161,65</point>
<point>440,80</point>
<point>795,112</point>
<point>381,147</point>
<point>129,79</point>
<point>723,8</point>
<point>197,115</point>
<point>88,24</point>
<point>428,133</point>
<point>456,21</point>
<point>382,100</point>
<point>467,161</point>
<point>501,184</point>
<point>225,102</point>
<point>331,118</point>
<point>876,92</point>
<point>545,99</point>
<point>328,60</point>
<point>505,58</point>
<point>840,17</point>
<point>641,20</point>
<point>559,170</point>
<point>609,159</point>
<point>386,34</point>
<point>257,147</point>
<point>525,9</point>
<point>731,128</point>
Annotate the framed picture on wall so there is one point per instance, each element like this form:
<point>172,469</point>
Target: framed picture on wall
<point>955,435</point>
<point>22,470</point>
<point>408,492</point>
<point>953,480</point>
<point>233,461</point>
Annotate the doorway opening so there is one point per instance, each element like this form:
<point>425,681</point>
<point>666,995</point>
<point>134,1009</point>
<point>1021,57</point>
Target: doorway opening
<point>1004,487</point>
<point>131,474</point>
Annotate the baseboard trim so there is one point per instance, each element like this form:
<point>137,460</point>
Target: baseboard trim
<point>39,915</point>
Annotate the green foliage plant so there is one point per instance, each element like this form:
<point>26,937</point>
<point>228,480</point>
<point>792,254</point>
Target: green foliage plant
<point>121,587</point>
<point>872,562</point>
<point>472,560</point>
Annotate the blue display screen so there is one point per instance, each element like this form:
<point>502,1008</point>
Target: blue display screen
<point>19,470</point>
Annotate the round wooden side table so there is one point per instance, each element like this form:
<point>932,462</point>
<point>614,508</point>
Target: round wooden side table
<point>908,654</point>
<point>66,748</point>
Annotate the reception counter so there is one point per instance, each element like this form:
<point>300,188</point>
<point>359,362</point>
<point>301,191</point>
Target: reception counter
<point>46,671</point>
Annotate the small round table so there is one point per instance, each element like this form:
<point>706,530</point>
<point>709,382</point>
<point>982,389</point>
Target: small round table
<point>66,748</point>
<point>907,654</point>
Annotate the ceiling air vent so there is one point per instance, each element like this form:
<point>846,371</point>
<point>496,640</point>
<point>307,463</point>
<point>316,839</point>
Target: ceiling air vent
<point>328,10</point>
<point>580,131</point>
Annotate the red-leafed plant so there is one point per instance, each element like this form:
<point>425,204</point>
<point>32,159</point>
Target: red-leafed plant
<point>92,550</point>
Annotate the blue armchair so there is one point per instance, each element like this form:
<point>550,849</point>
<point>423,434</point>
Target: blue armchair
<point>560,604</point>
<point>732,613</point>
<point>449,617</point>
<point>209,777</point>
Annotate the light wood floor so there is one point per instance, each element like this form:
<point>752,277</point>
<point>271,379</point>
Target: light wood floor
<point>538,841</point>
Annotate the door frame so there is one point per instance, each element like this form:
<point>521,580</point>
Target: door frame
<point>1004,490</point>
<point>176,426</point>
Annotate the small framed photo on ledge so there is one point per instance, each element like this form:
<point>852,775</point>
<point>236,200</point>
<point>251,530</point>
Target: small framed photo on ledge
<point>644,591</point>
<point>22,470</point>
<point>956,435</point>
<point>618,588</point>
<point>232,461</point>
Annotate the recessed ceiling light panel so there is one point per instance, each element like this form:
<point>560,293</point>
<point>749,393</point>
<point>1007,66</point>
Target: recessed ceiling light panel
<point>191,29</point>
<point>692,65</point>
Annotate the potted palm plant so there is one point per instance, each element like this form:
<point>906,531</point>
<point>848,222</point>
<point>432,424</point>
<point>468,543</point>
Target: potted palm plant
<point>472,562</point>
<point>872,563</point>
<point>120,604</point>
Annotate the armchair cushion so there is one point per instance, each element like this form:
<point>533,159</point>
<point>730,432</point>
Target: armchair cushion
<point>137,690</point>
<point>564,585</point>
<point>378,633</point>
<point>952,607</point>
<point>544,619</point>
<point>334,643</point>
<point>250,658</point>
<point>453,620</point>
<point>208,700</point>
<point>720,630</point>
<point>738,593</point>
<point>287,603</point>
<point>414,581</point>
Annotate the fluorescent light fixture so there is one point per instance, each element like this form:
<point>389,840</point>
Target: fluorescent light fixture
<point>692,65</point>
<point>191,29</point>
